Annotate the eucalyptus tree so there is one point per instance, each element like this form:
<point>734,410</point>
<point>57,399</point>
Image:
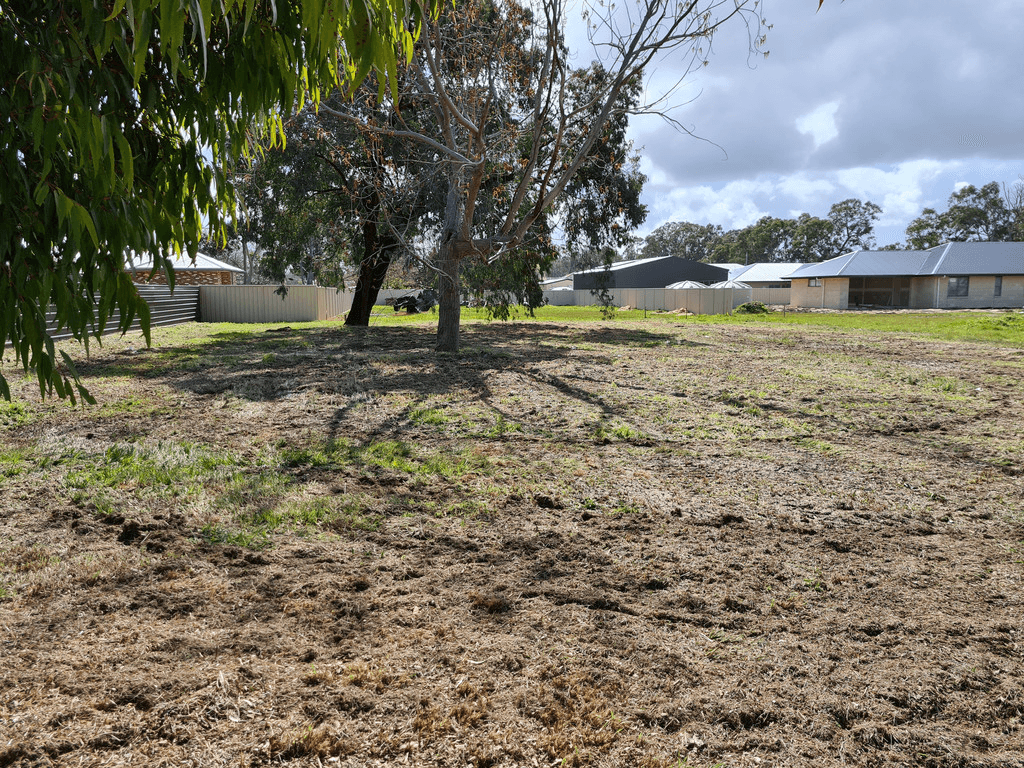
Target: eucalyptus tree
<point>337,197</point>
<point>510,135</point>
<point>116,122</point>
<point>685,239</point>
<point>987,213</point>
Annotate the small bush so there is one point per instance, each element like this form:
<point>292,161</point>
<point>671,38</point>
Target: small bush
<point>752,308</point>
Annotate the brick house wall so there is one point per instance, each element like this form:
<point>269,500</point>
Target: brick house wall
<point>188,277</point>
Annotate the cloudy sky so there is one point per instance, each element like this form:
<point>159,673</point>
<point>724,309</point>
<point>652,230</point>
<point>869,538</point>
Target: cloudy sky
<point>894,101</point>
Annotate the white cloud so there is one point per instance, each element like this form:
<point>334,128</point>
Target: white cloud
<point>807,190</point>
<point>901,191</point>
<point>731,206</point>
<point>820,123</point>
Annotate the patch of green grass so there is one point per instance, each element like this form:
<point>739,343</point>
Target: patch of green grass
<point>1006,328</point>
<point>620,432</point>
<point>547,314</point>
<point>464,510</point>
<point>453,465</point>
<point>251,539</point>
<point>331,453</point>
<point>352,515</point>
<point>626,508</point>
<point>503,427</point>
<point>945,384</point>
<point>428,416</point>
<point>813,444</point>
<point>15,461</point>
<point>167,469</point>
<point>297,516</point>
<point>392,454</point>
<point>15,414</point>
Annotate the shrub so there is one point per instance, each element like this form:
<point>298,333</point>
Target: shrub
<point>752,308</point>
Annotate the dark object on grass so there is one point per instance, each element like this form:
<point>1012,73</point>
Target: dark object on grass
<point>414,303</point>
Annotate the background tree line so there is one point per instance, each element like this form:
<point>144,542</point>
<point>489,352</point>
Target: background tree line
<point>991,213</point>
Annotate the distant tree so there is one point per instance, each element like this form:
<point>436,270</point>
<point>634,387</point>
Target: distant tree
<point>928,230</point>
<point>696,242</point>
<point>769,239</point>
<point>812,239</point>
<point>988,214</point>
<point>1013,194</point>
<point>853,224</point>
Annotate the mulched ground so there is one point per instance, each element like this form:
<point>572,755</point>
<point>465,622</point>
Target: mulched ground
<point>655,544</point>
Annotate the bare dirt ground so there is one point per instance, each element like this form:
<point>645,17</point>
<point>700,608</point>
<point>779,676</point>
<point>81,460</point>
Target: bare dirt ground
<point>616,544</point>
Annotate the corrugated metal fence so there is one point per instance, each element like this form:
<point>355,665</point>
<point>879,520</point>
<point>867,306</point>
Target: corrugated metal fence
<point>262,304</point>
<point>165,308</point>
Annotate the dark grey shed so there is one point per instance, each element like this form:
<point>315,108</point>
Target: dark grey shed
<point>648,273</point>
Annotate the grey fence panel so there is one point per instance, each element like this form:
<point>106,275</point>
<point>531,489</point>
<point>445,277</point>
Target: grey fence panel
<point>165,308</point>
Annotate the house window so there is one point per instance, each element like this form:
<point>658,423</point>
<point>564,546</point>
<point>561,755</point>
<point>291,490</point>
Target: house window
<point>814,282</point>
<point>958,287</point>
<point>998,290</point>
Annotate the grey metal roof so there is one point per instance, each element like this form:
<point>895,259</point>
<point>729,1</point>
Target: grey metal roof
<point>976,259</point>
<point>764,272</point>
<point>624,265</point>
<point>947,259</point>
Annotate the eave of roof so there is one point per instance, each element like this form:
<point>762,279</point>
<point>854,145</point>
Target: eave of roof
<point>184,263</point>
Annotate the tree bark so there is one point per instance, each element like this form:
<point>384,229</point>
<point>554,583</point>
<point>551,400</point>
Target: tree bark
<point>449,308</point>
<point>372,271</point>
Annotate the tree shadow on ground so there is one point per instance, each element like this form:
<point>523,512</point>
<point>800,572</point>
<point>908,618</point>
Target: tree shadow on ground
<point>358,363</point>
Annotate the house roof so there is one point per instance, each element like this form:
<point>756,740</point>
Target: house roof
<point>554,280</point>
<point>764,272</point>
<point>975,259</point>
<point>183,263</point>
<point>946,259</point>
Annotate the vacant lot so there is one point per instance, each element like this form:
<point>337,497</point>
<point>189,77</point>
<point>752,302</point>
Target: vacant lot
<point>611,544</point>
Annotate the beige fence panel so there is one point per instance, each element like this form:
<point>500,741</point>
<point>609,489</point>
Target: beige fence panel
<point>562,298</point>
<point>261,304</point>
<point>698,301</point>
<point>771,295</point>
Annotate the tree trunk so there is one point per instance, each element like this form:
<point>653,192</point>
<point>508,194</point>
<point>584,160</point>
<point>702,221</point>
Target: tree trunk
<point>372,271</point>
<point>449,308</point>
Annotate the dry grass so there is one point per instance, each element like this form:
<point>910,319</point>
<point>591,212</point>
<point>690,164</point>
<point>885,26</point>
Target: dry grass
<point>591,545</point>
